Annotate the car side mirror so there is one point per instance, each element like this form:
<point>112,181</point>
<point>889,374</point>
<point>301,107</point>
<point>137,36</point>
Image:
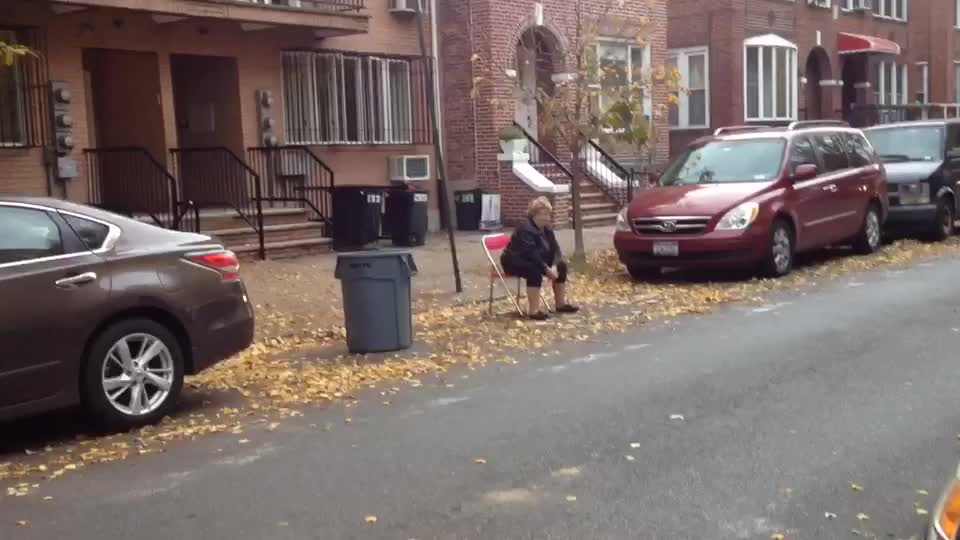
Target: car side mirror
<point>803,172</point>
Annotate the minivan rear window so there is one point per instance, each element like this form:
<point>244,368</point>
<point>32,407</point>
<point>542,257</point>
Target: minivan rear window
<point>719,162</point>
<point>907,143</point>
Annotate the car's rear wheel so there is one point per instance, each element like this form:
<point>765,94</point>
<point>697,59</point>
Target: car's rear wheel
<point>869,238</point>
<point>643,273</point>
<point>133,374</point>
<point>943,225</point>
<point>780,253</point>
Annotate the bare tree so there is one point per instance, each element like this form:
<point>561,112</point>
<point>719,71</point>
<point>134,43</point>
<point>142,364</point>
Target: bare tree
<point>598,97</point>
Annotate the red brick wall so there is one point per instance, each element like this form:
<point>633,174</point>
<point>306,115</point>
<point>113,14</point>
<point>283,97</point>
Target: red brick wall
<point>723,25</point>
<point>491,29</point>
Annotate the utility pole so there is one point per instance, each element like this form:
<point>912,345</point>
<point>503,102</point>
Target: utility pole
<point>442,190</point>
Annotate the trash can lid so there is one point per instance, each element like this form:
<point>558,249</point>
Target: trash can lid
<point>373,263</point>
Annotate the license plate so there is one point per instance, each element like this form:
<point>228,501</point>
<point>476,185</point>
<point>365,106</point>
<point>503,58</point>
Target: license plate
<point>666,249</point>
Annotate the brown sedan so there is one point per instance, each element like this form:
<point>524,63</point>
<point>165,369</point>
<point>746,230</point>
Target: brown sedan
<point>108,312</point>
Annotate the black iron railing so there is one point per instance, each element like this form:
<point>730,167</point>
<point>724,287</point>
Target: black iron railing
<point>216,177</point>
<point>325,6</point>
<point>131,181</point>
<point>615,180</point>
<point>544,161</point>
<point>295,175</point>
<point>871,115</point>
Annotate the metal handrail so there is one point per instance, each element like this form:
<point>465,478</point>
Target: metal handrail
<point>257,188</point>
<point>157,168</point>
<point>303,198</point>
<point>550,157</point>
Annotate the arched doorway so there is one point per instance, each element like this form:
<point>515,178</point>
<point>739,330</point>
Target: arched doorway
<point>817,70</point>
<point>538,58</point>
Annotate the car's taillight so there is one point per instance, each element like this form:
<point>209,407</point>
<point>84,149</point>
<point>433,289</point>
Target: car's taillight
<point>225,262</point>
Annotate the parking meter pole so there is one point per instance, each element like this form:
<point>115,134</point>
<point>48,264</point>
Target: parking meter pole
<point>444,195</point>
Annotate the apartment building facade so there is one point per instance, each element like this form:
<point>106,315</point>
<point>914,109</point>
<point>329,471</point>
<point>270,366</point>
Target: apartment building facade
<point>518,47</point>
<point>174,108</point>
<point>775,61</point>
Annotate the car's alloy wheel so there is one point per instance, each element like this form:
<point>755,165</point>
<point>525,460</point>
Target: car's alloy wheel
<point>781,251</point>
<point>868,241</point>
<point>943,228</point>
<point>779,259</point>
<point>133,374</point>
<point>137,374</point>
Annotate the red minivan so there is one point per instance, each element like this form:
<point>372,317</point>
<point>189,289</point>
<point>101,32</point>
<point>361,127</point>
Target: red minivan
<point>756,196</point>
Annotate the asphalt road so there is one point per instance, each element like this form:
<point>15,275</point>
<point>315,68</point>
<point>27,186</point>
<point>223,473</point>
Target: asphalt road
<point>783,407</point>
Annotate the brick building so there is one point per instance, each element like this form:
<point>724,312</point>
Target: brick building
<point>774,61</point>
<point>526,44</point>
<point>172,102</point>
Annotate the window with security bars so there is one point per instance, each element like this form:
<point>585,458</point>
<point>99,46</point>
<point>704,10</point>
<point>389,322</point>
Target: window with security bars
<point>13,110</point>
<point>336,98</point>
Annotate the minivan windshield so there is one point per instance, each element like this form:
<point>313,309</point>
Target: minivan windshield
<point>907,143</point>
<point>721,162</point>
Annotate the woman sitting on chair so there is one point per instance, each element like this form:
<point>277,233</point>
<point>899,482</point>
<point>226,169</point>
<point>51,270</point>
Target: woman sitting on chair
<point>533,253</point>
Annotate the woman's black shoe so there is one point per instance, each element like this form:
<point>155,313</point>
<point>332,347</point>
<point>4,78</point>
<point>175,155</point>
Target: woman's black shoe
<point>567,308</point>
<point>538,316</point>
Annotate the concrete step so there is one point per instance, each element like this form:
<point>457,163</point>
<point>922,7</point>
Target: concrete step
<point>214,220</point>
<point>271,233</point>
<point>599,208</point>
<point>287,249</point>
<point>599,220</point>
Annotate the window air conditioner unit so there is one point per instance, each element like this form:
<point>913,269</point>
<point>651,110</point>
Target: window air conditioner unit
<point>819,3</point>
<point>409,168</point>
<point>407,6</point>
<point>862,5</point>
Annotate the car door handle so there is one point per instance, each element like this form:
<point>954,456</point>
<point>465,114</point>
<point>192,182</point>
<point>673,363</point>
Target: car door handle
<point>77,280</point>
<point>832,188</point>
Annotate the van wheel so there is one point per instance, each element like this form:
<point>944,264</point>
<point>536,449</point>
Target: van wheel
<point>868,240</point>
<point>133,375</point>
<point>943,225</point>
<point>643,273</point>
<point>779,260</point>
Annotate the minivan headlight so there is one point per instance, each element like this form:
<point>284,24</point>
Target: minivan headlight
<point>740,217</point>
<point>623,222</point>
<point>914,193</point>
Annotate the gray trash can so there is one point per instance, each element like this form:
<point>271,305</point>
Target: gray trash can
<point>376,299</point>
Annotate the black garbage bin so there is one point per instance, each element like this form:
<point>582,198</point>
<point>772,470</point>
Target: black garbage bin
<point>406,217</point>
<point>469,209</point>
<point>356,216</point>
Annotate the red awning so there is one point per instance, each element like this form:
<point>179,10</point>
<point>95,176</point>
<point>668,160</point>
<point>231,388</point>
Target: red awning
<point>856,43</point>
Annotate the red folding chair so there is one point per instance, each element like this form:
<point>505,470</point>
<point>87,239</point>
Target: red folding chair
<point>495,244</point>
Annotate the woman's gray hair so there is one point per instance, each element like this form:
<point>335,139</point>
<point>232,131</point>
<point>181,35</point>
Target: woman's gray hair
<point>539,204</point>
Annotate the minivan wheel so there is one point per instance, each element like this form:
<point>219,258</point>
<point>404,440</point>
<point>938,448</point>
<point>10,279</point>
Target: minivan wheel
<point>133,374</point>
<point>943,226</point>
<point>779,260</point>
<point>869,238</point>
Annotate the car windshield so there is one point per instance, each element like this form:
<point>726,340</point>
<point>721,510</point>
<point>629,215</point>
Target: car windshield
<point>718,162</point>
<point>907,143</point>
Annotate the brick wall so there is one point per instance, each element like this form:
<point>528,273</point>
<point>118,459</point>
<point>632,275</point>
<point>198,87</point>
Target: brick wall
<point>491,29</point>
<point>927,36</point>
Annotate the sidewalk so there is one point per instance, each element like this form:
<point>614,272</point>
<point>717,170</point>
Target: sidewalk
<point>301,296</point>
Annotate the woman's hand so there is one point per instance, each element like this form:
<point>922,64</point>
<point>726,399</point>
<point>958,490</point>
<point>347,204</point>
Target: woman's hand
<point>552,273</point>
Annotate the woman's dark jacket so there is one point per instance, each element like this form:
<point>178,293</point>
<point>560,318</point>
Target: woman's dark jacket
<point>532,247</point>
